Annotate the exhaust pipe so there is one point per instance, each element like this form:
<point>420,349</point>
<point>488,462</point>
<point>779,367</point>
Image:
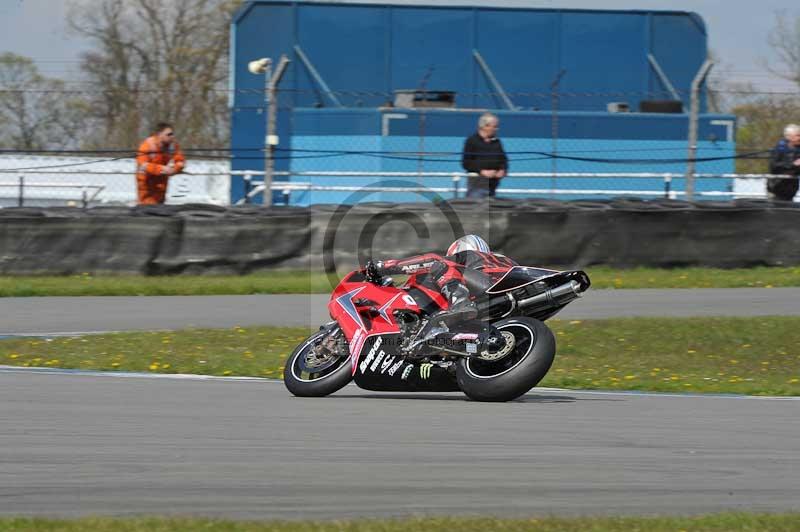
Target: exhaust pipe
<point>554,297</point>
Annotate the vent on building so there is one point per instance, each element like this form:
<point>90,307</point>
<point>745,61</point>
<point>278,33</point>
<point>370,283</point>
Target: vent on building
<point>618,107</point>
<point>660,106</point>
<point>417,98</point>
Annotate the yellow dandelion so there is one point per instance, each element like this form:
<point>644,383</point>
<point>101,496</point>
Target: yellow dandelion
<point>227,372</point>
<point>794,381</point>
<point>115,364</point>
<point>575,322</point>
<point>154,366</point>
<point>630,377</point>
<point>690,351</point>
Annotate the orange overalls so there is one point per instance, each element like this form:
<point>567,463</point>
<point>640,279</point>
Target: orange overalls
<point>151,159</point>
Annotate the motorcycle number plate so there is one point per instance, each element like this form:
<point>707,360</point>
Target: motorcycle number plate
<point>472,348</point>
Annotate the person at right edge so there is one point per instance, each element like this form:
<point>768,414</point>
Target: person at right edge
<point>785,160</point>
<point>484,156</point>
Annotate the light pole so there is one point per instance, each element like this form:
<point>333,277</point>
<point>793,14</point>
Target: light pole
<point>693,118</point>
<point>264,66</point>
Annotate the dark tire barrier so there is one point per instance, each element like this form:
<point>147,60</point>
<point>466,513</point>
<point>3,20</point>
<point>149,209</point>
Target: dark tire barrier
<point>207,239</point>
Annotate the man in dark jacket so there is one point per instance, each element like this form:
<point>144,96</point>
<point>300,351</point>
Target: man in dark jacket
<point>785,160</point>
<point>483,155</point>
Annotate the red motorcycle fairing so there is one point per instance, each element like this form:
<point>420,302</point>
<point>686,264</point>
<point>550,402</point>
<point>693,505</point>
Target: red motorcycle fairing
<point>365,310</point>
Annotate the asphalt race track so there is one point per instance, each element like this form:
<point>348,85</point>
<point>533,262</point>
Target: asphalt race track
<point>76,445</point>
<point>94,444</point>
<point>39,315</point>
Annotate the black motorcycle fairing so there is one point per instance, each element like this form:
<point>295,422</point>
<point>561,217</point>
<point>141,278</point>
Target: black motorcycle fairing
<point>468,338</point>
<point>520,276</point>
<point>382,367</point>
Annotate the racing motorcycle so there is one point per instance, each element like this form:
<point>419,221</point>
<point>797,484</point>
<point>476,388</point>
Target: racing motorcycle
<point>387,338</point>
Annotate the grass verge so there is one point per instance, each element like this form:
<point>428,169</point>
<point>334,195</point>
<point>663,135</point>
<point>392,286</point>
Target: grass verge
<point>759,356</point>
<point>283,282</point>
<point>728,522</point>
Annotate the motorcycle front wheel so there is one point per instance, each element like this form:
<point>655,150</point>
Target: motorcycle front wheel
<point>319,366</point>
<point>527,362</point>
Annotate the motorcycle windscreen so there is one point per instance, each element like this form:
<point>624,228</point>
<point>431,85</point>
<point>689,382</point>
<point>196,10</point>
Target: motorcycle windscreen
<point>519,276</point>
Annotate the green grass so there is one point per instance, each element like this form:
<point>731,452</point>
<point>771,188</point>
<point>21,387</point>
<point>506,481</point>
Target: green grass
<point>728,522</point>
<point>758,356</point>
<point>284,282</point>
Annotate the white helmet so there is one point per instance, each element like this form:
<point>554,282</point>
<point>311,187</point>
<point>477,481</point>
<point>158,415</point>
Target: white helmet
<point>468,242</point>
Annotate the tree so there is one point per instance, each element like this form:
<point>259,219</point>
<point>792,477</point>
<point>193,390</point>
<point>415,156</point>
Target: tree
<point>761,124</point>
<point>35,111</point>
<point>156,60</point>
<point>785,41</point>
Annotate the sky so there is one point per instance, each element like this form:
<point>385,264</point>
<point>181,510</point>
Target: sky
<point>738,31</point>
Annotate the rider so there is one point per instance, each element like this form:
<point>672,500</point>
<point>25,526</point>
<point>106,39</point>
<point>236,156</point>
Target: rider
<point>469,256</point>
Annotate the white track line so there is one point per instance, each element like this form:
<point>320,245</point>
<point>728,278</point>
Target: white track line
<point>182,376</point>
<point>129,374</point>
<point>54,334</point>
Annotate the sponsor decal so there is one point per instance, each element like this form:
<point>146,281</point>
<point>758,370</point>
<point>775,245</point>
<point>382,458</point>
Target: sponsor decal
<point>371,355</point>
<point>394,368</point>
<point>355,347</point>
<point>465,336</point>
<point>378,360</point>
<point>407,371</point>
<point>425,371</point>
<point>387,363</point>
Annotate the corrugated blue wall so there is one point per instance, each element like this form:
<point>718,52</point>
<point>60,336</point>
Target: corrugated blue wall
<point>364,52</point>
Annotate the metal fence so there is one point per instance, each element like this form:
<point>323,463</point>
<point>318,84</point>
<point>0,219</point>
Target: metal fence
<point>85,188</point>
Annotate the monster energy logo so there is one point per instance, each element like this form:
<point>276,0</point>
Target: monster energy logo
<point>425,371</point>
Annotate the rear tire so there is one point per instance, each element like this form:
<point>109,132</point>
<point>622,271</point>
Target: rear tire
<point>321,378</point>
<point>515,374</point>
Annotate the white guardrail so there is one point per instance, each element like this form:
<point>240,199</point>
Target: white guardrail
<point>18,190</point>
<point>745,185</point>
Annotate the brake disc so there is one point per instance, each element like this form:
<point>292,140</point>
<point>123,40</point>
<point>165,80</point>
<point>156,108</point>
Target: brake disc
<point>503,351</point>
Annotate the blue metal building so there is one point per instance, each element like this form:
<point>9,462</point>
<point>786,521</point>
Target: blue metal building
<point>546,72</point>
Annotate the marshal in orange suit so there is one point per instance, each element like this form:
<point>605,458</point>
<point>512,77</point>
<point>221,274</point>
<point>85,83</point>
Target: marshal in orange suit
<point>159,157</point>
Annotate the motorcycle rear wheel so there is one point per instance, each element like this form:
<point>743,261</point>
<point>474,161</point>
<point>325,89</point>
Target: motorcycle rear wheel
<point>514,374</point>
<point>309,375</point>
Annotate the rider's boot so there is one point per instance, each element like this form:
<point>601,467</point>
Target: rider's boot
<point>461,307</point>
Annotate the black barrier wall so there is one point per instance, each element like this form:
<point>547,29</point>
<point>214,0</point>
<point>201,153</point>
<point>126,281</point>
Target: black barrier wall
<point>200,239</point>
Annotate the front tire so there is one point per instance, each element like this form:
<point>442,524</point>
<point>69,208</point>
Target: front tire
<point>315,372</point>
<point>515,374</point>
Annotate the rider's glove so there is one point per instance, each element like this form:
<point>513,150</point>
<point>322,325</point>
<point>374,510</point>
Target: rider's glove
<point>372,271</point>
